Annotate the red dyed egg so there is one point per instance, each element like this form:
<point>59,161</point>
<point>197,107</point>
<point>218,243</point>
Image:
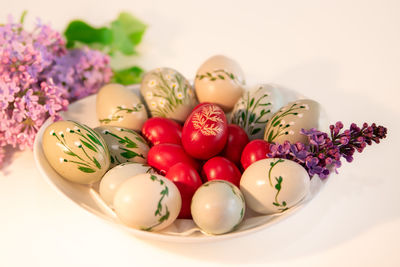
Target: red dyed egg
<point>159,130</point>
<point>254,151</point>
<point>220,168</point>
<point>164,156</point>
<point>187,180</point>
<point>237,140</point>
<point>205,131</point>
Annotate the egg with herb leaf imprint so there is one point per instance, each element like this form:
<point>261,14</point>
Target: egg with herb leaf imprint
<point>205,132</point>
<point>286,124</point>
<point>117,175</point>
<point>219,80</point>
<point>168,94</point>
<point>274,185</point>
<point>148,202</point>
<point>118,106</point>
<point>75,151</point>
<point>124,144</point>
<point>253,110</point>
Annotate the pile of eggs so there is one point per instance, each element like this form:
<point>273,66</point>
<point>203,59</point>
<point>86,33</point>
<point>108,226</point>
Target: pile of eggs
<point>189,152</point>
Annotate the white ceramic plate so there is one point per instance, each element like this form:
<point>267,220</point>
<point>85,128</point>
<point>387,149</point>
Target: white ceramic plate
<point>182,230</point>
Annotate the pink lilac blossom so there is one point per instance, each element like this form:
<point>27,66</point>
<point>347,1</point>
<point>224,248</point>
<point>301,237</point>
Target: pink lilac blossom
<point>38,79</point>
<point>81,71</point>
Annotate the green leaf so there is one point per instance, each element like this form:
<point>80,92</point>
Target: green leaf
<point>256,130</point>
<point>252,117</point>
<point>128,142</point>
<point>94,139</point>
<point>165,216</point>
<point>23,15</point>
<point>243,116</point>
<point>165,191</point>
<point>78,30</point>
<point>127,33</point>
<point>121,41</point>
<point>97,163</point>
<point>129,154</point>
<point>284,203</point>
<point>275,204</point>
<point>221,77</point>
<point>127,76</point>
<point>270,139</point>
<point>252,102</point>
<point>86,144</point>
<point>133,27</point>
<point>276,123</point>
<point>265,104</point>
<point>69,153</point>
<point>278,187</point>
<point>87,170</point>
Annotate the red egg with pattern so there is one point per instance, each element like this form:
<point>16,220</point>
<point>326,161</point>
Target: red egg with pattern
<point>205,132</point>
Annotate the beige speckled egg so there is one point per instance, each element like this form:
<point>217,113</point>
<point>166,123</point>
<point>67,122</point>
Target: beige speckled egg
<point>287,123</point>
<point>148,202</point>
<point>274,185</point>
<point>217,207</point>
<point>75,151</point>
<point>255,108</point>
<point>219,80</point>
<point>118,106</point>
<point>117,175</point>
<point>168,94</point>
<point>124,144</point>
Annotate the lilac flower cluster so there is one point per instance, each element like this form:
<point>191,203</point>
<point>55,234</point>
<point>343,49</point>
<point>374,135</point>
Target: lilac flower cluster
<point>38,78</point>
<point>323,153</point>
<point>81,72</point>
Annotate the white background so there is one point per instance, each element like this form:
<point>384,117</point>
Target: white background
<point>344,54</point>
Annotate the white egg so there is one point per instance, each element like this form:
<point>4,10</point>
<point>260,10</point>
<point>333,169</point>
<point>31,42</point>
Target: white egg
<point>117,175</point>
<point>220,80</point>
<point>287,123</point>
<point>147,202</point>
<point>217,207</point>
<point>274,185</point>
<point>118,106</point>
<point>124,145</point>
<point>75,151</point>
<point>254,109</point>
<point>168,94</point>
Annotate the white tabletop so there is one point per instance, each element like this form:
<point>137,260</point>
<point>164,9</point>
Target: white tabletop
<point>344,54</point>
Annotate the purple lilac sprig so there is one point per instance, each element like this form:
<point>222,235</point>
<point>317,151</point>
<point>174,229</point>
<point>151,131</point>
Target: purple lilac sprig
<point>322,154</point>
<point>31,88</point>
<point>81,72</point>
